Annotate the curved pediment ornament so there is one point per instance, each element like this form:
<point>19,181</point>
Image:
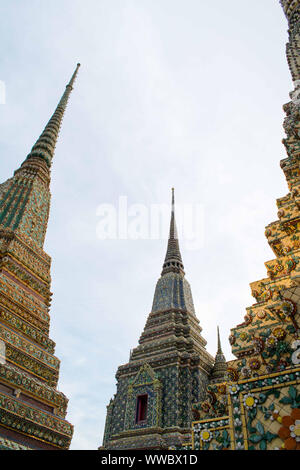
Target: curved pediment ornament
<point>145,376</point>
<point>147,383</point>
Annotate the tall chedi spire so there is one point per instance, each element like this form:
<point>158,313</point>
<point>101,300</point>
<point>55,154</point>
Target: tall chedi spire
<point>167,371</point>
<point>32,410</point>
<point>262,396</point>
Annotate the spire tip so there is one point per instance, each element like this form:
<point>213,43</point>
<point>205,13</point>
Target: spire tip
<point>219,339</point>
<point>45,145</point>
<point>173,197</point>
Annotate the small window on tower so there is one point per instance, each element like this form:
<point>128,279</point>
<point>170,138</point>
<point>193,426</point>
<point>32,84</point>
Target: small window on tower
<point>141,408</point>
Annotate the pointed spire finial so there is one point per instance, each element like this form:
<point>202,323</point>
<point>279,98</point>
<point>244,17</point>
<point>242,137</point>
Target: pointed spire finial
<point>71,82</point>
<point>219,371</point>
<point>173,260</point>
<point>219,342</point>
<point>45,145</point>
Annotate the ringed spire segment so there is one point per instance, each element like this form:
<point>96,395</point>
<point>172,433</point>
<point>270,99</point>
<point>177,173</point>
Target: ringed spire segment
<point>45,145</point>
<point>173,260</point>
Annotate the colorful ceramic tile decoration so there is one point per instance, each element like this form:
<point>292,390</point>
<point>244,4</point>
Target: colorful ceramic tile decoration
<point>195,401</point>
<point>32,410</point>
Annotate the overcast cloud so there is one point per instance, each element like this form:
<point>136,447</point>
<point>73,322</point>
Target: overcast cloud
<point>170,93</point>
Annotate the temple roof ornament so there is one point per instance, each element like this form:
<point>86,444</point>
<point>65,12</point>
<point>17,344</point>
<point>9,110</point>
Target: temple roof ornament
<point>32,409</point>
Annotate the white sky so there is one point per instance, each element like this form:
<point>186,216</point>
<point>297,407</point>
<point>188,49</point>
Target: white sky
<point>170,93</point>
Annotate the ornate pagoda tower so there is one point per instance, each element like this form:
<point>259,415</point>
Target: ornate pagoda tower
<point>258,406</point>
<point>32,410</point>
<point>167,371</point>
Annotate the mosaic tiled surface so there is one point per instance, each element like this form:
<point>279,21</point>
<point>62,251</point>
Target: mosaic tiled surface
<point>262,414</point>
<point>172,291</point>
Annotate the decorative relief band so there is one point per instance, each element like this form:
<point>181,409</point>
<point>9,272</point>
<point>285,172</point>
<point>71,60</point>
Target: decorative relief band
<point>21,380</point>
